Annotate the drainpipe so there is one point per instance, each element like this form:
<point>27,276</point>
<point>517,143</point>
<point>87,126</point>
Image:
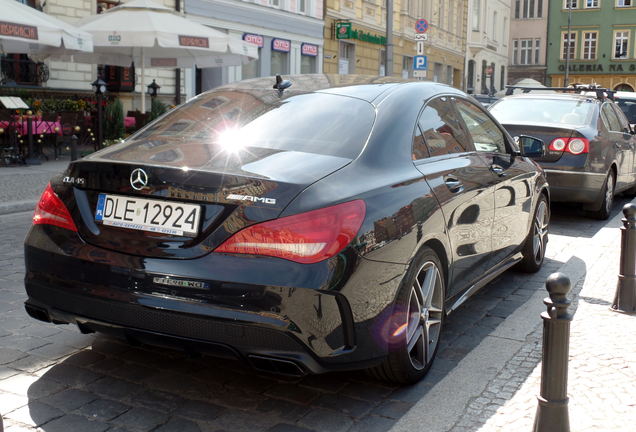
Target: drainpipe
<point>388,67</point>
<point>177,71</point>
<point>566,80</point>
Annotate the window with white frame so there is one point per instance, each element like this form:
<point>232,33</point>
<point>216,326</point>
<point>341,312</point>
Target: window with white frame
<point>476,14</point>
<point>525,51</point>
<point>568,45</point>
<point>494,25</point>
<point>589,45</point>
<point>571,4</point>
<point>302,6</point>
<point>274,3</point>
<point>621,44</point>
<point>528,9</point>
<point>537,51</point>
<point>591,3</point>
<point>624,3</point>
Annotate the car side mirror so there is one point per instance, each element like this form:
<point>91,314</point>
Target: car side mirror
<point>530,146</point>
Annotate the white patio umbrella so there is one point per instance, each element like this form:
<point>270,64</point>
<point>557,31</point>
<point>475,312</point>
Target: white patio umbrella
<point>151,35</point>
<point>24,30</point>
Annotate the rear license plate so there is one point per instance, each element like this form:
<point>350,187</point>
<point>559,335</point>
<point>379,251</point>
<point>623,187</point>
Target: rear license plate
<point>152,215</point>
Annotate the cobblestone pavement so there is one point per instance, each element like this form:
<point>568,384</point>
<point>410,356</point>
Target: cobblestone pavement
<point>602,368</point>
<point>21,186</point>
<point>52,378</point>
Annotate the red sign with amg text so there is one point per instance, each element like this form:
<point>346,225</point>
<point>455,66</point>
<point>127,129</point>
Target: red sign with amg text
<point>194,41</point>
<point>18,30</point>
<point>282,45</point>
<point>255,39</point>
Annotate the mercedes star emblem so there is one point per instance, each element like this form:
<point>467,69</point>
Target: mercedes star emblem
<point>138,179</point>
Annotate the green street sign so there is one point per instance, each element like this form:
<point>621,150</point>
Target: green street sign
<point>343,30</point>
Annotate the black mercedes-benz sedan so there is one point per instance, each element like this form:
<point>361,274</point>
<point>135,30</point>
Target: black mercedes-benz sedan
<point>329,223</point>
<point>591,147</point>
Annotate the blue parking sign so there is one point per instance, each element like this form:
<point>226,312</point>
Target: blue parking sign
<point>420,62</point>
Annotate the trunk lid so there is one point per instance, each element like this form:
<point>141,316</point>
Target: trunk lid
<point>545,133</point>
<point>232,194</point>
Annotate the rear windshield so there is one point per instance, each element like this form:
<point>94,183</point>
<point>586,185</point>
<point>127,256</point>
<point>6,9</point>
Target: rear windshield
<point>629,108</point>
<point>240,120</point>
<point>519,110</point>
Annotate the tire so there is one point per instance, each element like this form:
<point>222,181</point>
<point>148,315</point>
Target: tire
<point>416,327</point>
<point>534,247</point>
<point>608,198</point>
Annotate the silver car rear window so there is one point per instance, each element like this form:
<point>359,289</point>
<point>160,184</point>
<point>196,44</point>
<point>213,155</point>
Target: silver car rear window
<point>553,111</point>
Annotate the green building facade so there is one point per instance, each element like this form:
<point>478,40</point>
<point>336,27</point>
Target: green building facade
<point>601,47</point>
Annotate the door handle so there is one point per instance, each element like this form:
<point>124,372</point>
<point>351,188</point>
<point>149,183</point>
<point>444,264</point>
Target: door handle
<point>497,169</point>
<point>453,184</point>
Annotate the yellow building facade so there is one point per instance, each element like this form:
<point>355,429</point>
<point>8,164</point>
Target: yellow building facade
<point>361,47</point>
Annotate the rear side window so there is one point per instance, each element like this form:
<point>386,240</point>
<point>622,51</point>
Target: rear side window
<point>439,131</point>
<point>629,108</point>
<point>623,122</point>
<point>222,120</point>
<point>487,137</point>
<point>610,119</point>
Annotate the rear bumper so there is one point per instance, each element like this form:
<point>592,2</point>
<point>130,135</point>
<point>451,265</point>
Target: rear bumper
<point>575,186</point>
<point>315,329</point>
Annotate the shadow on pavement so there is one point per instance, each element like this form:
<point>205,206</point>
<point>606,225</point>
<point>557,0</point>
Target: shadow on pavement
<point>569,220</point>
<point>114,384</point>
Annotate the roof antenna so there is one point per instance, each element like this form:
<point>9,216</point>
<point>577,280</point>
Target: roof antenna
<point>281,85</point>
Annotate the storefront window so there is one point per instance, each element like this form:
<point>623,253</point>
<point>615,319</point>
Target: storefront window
<point>280,63</point>
<point>347,60</point>
<point>280,56</point>
<point>308,55</point>
<point>407,67</point>
<point>251,69</point>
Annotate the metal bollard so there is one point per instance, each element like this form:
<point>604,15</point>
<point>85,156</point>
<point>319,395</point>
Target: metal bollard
<point>625,298</point>
<point>552,410</point>
<point>74,147</point>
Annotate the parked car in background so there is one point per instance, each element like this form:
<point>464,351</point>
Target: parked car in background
<point>590,151</point>
<point>627,102</point>
<point>484,99</point>
<point>327,224</point>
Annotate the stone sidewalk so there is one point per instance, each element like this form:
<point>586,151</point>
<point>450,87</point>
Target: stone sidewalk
<point>602,362</point>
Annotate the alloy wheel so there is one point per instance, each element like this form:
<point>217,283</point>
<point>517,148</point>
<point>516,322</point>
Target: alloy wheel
<point>540,231</point>
<point>424,315</point>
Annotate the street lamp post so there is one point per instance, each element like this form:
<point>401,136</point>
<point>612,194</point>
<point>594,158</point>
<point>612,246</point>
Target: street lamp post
<point>388,67</point>
<point>153,89</point>
<point>99,87</point>
<point>566,79</point>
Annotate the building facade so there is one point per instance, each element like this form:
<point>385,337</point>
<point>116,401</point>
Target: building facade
<point>287,32</point>
<point>63,77</point>
<point>487,46</point>
<point>355,38</point>
<point>599,47</point>
<point>527,45</point>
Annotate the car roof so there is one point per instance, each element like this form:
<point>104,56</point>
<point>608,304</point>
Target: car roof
<point>366,87</point>
<point>625,95</point>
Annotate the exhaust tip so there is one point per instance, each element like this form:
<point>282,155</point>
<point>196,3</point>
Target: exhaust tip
<point>37,312</point>
<point>277,366</point>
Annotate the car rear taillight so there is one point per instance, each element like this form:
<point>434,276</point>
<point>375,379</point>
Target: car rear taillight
<point>575,146</point>
<point>52,211</point>
<point>305,238</point>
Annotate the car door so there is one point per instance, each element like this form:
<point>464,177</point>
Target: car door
<point>460,182</point>
<point>510,176</point>
<point>618,148</point>
<point>629,142</point>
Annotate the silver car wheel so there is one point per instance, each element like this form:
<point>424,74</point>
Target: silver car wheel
<point>540,231</point>
<point>424,315</point>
